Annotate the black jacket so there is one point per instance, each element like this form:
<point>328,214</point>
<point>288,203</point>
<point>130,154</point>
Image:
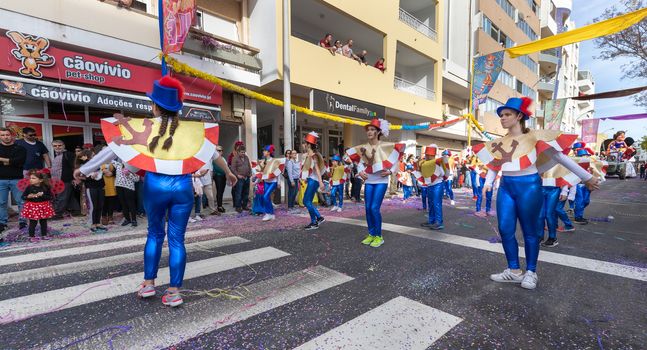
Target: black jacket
<point>31,189</point>
<point>16,155</point>
<point>67,171</point>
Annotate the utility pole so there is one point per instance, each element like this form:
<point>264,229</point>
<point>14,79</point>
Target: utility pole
<point>287,116</point>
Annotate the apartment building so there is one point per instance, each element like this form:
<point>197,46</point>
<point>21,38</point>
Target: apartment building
<point>406,33</point>
<point>500,24</point>
<point>104,58</point>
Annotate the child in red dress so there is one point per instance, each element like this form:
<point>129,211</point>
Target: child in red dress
<point>38,203</point>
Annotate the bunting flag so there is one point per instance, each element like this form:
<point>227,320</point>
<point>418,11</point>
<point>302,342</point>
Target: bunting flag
<point>176,19</point>
<point>611,94</point>
<point>590,130</point>
<point>626,117</point>
<point>553,114</point>
<point>596,30</point>
<point>486,72</point>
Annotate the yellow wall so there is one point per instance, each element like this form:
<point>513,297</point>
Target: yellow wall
<point>365,83</point>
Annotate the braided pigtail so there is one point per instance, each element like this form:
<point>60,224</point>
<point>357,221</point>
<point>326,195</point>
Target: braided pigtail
<point>163,126</point>
<point>169,140</point>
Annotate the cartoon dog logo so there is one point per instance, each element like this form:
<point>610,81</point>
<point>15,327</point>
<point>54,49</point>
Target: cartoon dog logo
<point>14,87</point>
<point>31,53</point>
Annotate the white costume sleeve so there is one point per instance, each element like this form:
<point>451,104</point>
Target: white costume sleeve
<point>490,177</point>
<point>564,191</point>
<point>572,192</point>
<point>105,156</point>
<point>569,164</point>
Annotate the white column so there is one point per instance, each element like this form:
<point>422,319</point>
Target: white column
<point>251,127</point>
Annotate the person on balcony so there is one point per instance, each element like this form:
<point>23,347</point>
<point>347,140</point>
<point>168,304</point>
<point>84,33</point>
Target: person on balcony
<point>326,43</point>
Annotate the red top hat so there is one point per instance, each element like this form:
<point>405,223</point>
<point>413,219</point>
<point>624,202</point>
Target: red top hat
<point>374,123</point>
<point>431,150</point>
<point>312,138</point>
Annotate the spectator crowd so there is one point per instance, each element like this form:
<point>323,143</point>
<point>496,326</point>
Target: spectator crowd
<point>346,50</point>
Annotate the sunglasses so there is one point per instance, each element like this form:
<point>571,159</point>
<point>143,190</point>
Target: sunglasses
<point>219,150</point>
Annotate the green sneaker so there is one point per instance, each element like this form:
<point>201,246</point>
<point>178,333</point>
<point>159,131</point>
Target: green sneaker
<point>377,241</point>
<point>368,240</point>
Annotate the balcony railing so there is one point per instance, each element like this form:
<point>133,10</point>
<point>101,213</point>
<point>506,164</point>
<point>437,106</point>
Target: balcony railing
<point>217,48</point>
<point>416,24</point>
<point>407,86</point>
<point>552,52</point>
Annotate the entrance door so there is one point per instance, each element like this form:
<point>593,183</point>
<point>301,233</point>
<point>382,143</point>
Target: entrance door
<point>335,143</point>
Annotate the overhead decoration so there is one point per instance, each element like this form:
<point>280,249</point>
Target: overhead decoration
<point>553,114</point>
<point>175,21</point>
<point>590,130</point>
<point>626,117</point>
<point>610,94</point>
<point>592,31</point>
<point>486,71</point>
<point>183,68</point>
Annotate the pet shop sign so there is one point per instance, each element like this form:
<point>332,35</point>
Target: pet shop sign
<point>34,57</point>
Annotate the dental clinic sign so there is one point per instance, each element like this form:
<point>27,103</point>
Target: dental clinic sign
<point>335,104</point>
<point>36,57</point>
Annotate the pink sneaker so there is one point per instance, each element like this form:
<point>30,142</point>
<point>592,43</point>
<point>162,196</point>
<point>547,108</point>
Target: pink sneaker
<point>172,299</point>
<point>45,238</point>
<point>33,240</point>
<point>146,291</point>
<point>491,213</point>
<point>480,214</point>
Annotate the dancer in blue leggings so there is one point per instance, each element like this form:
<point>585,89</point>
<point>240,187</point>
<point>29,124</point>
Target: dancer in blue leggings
<point>377,160</point>
<point>567,194</point>
<point>311,172</point>
<point>520,196</point>
<point>432,171</point>
<point>168,193</point>
<point>481,171</point>
<point>449,168</point>
<point>270,171</point>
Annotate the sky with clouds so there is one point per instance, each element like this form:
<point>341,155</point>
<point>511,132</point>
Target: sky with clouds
<point>607,75</point>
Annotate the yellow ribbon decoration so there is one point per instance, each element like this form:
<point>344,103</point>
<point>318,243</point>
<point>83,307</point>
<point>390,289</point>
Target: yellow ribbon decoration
<point>591,31</point>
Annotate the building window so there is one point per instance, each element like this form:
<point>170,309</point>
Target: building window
<point>528,62</point>
<point>524,89</point>
<point>493,31</point>
<point>491,105</point>
<point>507,79</point>
<point>525,27</point>
<point>532,5</point>
<point>507,7</point>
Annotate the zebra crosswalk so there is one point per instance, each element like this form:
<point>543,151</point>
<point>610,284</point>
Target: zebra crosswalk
<point>395,322</point>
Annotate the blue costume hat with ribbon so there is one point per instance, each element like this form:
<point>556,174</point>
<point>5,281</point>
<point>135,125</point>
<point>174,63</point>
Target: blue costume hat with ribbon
<point>517,104</point>
<point>336,158</point>
<point>167,93</point>
<point>583,152</point>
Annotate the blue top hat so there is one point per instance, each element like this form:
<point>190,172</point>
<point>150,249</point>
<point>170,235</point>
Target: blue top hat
<point>518,104</point>
<point>446,153</point>
<point>582,152</point>
<point>336,158</point>
<point>408,167</point>
<point>167,93</point>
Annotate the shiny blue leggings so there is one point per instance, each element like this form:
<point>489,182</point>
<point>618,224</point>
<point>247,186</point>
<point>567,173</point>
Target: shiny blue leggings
<point>475,184</point>
<point>448,188</point>
<point>373,197</point>
<point>520,198</point>
<point>479,196</point>
<point>406,191</point>
<point>337,194</point>
<point>311,190</point>
<point>582,200</point>
<point>561,213</point>
<point>267,197</point>
<point>172,195</point>
<point>424,193</point>
<point>435,195</point>
<point>548,213</point>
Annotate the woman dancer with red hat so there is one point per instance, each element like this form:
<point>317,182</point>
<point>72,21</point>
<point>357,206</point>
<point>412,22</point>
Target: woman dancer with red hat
<point>377,160</point>
<point>432,174</point>
<point>168,190</point>
<point>271,169</point>
<point>520,195</point>
<point>311,170</point>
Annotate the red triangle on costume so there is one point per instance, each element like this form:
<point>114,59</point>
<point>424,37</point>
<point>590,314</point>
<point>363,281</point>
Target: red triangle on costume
<point>212,134</point>
<point>109,130</point>
<point>191,165</point>
<point>144,162</point>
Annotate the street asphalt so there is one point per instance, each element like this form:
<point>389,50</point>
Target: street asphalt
<point>254,285</point>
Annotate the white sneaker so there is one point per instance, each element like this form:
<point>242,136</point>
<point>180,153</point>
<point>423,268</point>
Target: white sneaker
<point>268,217</point>
<point>530,280</point>
<point>334,208</point>
<point>272,217</point>
<point>192,220</point>
<point>198,218</point>
<point>339,210</point>
<point>507,276</point>
<point>452,202</point>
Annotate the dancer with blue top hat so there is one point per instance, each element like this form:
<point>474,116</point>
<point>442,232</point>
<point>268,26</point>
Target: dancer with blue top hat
<point>432,174</point>
<point>169,150</point>
<point>449,168</point>
<point>270,171</point>
<point>589,163</point>
<point>520,196</point>
<point>338,174</point>
<point>377,160</point>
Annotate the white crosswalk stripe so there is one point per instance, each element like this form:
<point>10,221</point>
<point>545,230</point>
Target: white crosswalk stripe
<point>400,323</point>
<point>50,254</point>
<point>94,264</point>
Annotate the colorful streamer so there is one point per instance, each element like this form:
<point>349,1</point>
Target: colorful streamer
<point>592,31</point>
<point>185,69</point>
